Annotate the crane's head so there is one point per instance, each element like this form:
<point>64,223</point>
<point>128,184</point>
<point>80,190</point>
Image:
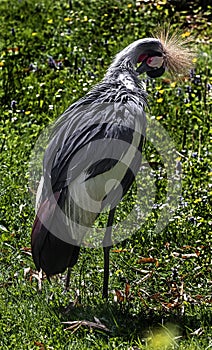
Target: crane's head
<point>149,55</point>
<point>155,55</point>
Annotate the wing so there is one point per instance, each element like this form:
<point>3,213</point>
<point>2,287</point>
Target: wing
<point>79,135</point>
<point>92,138</point>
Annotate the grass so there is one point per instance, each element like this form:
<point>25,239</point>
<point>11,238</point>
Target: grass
<point>162,301</point>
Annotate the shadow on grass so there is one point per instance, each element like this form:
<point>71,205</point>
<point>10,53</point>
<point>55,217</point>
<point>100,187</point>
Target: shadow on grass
<point>123,322</point>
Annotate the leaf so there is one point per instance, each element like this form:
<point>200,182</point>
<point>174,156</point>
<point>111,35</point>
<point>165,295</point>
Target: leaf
<point>187,247</point>
<point>127,290</point>
<point>171,306</point>
<point>41,345</point>
<point>119,295</point>
<point>147,260</point>
<point>13,49</point>
<point>119,250</point>
<point>26,249</point>
<point>198,296</point>
<point>156,296</point>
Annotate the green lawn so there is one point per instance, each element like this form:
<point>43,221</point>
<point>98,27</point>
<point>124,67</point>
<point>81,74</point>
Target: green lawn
<point>51,53</point>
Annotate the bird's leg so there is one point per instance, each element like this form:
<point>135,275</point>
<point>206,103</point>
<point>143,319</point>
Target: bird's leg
<point>68,279</point>
<point>106,271</point>
<point>107,243</point>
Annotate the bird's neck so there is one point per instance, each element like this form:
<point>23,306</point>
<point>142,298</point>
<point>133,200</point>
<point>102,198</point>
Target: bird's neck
<point>123,72</point>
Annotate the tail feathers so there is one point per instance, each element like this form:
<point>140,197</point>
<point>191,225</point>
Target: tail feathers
<point>50,253</point>
<point>56,255</point>
<point>39,229</point>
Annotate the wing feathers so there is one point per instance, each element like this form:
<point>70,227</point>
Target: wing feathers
<point>96,134</point>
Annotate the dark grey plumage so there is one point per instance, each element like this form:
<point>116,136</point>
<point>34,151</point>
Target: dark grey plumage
<point>98,139</point>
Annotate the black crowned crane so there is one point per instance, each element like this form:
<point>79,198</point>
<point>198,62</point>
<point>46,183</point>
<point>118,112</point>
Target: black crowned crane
<point>94,154</point>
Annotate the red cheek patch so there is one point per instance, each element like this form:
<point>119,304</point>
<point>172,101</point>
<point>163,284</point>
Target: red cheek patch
<point>142,58</point>
<point>149,60</point>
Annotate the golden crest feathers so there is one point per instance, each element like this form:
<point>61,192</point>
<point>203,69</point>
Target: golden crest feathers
<point>178,57</point>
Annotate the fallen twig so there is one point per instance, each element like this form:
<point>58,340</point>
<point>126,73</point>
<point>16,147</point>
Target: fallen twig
<point>75,325</point>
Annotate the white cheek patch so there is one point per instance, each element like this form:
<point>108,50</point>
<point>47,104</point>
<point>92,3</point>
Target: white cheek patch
<point>155,61</point>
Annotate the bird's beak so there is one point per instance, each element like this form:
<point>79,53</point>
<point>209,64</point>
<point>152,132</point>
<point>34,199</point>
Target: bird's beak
<point>156,72</point>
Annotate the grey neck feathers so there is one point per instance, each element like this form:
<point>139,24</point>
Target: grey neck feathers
<point>122,68</point>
